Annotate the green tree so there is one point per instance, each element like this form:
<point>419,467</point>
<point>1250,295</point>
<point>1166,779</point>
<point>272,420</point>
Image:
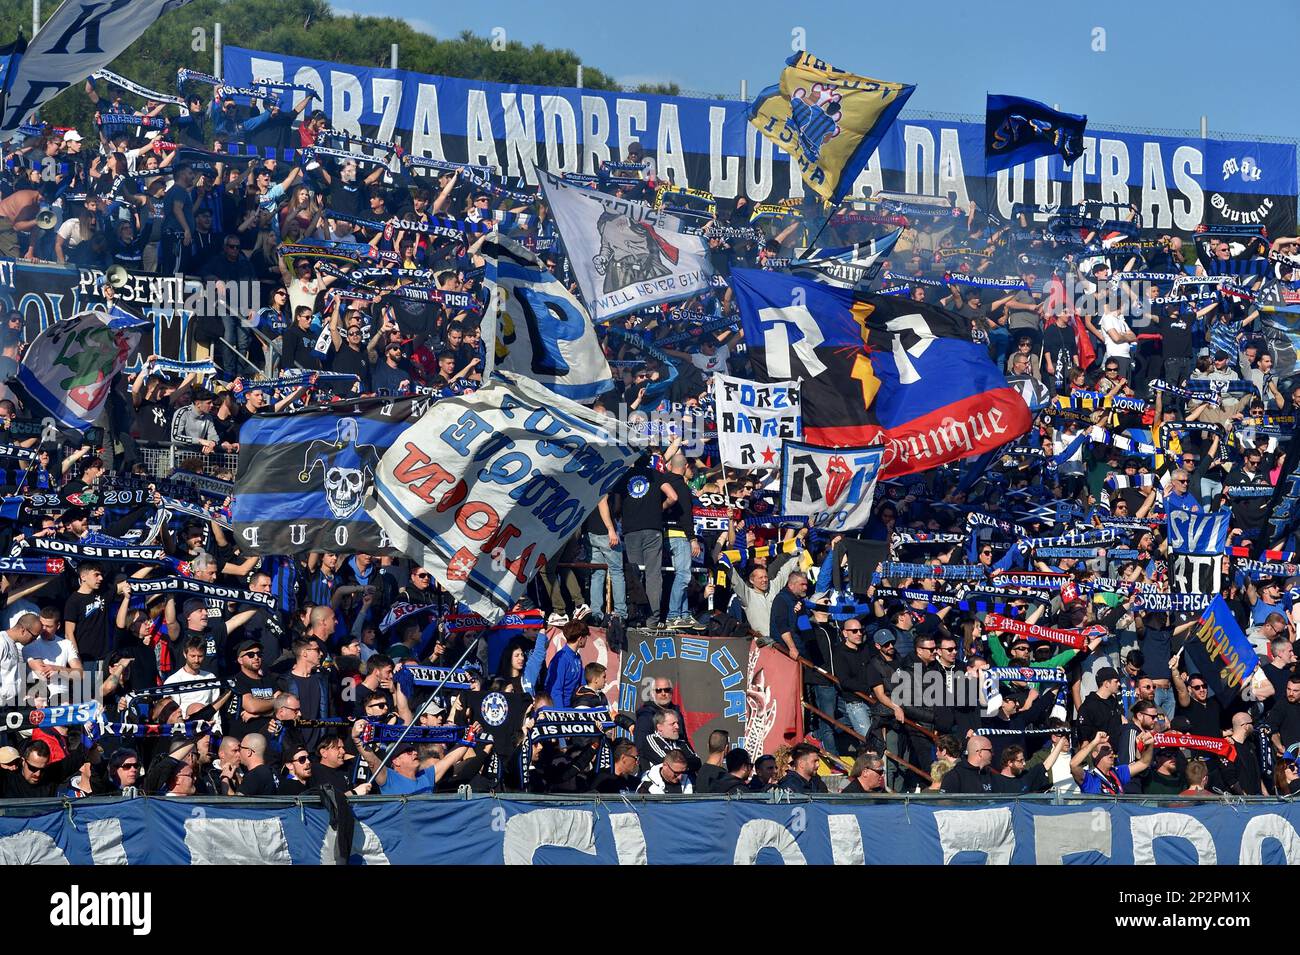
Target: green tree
<point>309,28</point>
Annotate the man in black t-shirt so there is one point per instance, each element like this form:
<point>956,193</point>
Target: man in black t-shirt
<point>1176,343</point>
<point>85,617</point>
<point>259,778</point>
<point>646,495</point>
<point>300,342</point>
<point>679,521</point>
<point>1060,350</point>
<point>249,709</point>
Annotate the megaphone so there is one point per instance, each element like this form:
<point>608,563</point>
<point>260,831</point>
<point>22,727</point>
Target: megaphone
<point>116,276</point>
<point>46,219</point>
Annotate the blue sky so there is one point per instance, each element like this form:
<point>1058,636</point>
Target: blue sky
<point>1164,63</point>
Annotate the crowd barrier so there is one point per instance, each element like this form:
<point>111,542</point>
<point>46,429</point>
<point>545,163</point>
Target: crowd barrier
<point>483,830</point>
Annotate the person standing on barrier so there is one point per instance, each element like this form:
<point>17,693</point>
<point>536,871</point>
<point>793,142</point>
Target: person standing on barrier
<point>820,644</point>
<point>607,549</point>
<point>646,495</point>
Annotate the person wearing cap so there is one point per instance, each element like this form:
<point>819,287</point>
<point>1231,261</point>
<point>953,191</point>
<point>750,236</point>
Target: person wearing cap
<point>1105,776</point>
<point>9,759</point>
<point>250,706</point>
<point>1102,710</point>
<point>403,775</point>
<point>886,714</point>
<point>1266,600</point>
<point>820,642</point>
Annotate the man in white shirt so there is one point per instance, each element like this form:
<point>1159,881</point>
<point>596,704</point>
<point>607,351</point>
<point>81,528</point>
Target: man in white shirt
<point>1119,337</point>
<point>54,659</point>
<point>12,668</point>
<point>195,651</point>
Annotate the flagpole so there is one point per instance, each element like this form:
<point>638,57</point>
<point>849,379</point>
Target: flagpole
<point>813,244</point>
<point>416,718</point>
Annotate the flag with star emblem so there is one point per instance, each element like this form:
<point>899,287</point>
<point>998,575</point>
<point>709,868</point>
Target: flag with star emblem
<point>753,419</point>
<point>878,369</point>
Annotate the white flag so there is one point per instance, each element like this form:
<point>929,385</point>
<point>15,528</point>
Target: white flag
<point>832,487</point>
<point>484,489</point>
<point>626,255</point>
<point>541,330</point>
<point>753,419</point>
<point>82,37</point>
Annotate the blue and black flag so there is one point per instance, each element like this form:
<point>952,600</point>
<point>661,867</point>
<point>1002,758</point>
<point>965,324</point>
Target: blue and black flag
<point>302,476</point>
<point>1018,130</point>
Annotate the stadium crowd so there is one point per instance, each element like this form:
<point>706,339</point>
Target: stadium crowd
<point>286,700</point>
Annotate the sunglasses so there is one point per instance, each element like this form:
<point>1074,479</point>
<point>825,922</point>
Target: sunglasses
<point>301,759</point>
<point>659,690</point>
<point>129,766</point>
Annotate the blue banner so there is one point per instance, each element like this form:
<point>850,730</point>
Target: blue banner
<point>1191,533</point>
<point>1177,182</point>
<point>1219,637</point>
<point>687,831</point>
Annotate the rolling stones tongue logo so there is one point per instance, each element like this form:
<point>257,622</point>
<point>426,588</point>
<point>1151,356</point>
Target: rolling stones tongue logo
<point>838,474</point>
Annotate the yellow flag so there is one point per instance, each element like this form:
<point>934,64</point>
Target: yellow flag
<point>829,121</point>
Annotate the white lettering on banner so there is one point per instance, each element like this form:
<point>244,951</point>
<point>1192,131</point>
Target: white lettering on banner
<point>758,166</point>
<point>1163,825</point>
<point>106,846</point>
<point>629,839</point>
<point>631,123</point>
<point>1155,209</point>
<point>388,103</point>
<point>777,325</point>
<point>924,157</point>
<point>563,154</point>
<point>846,839</point>
<point>347,105</point>
<point>671,156</point>
<point>526,832</point>
<point>521,136</point>
<point>1056,837</point>
<point>213,840</point>
<point>30,847</point>
<point>724,171</point>
<point>1269,826</point>
<point>976,830</point>
<point>1114,172</point>
<point>595,134</point>
<point>369,847</point>
<point>480,143</point>
<point>426,133</point>
<point>1187,164</point>
<point>759,834</point>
